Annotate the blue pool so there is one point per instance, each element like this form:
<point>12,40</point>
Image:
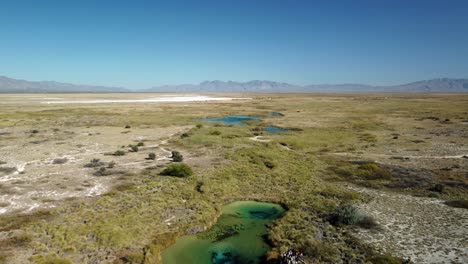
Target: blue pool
<point>232,120</point>
<point>275,130</point>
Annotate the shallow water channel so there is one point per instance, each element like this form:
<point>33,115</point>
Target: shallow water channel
<point>237,237</point>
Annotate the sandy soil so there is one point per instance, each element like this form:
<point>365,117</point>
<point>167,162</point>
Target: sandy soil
<point>424,229</point>
<point>40,169</point>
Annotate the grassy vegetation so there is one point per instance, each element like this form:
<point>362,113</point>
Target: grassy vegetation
<point>128,225</point>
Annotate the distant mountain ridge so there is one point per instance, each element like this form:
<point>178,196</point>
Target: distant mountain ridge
<point>442,85</point>
<point>9,85</point>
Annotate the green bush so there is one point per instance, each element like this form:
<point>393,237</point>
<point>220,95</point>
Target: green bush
<point>140,144</point>
<point>177,170</point>
<point>176,156</point>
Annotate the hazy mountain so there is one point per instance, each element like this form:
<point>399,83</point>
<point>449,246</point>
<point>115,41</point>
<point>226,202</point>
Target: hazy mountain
<point>443,85</point>
<point>230,87</point>
<point>9,85</point>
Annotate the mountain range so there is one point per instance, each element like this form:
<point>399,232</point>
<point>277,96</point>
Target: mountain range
<point>442,85</point>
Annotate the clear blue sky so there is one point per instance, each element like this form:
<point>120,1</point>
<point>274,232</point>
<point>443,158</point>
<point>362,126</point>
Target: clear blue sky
<point>138,44</point>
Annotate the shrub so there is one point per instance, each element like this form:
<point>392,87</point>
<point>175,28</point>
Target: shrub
<point>152,156</point>
<point>118,153</point>
<point>345,215</point>
<point>184,135</point>
<point>94,163</point>
<point>140,144</point>
<point>127,126</point>
<point>34,131</point>
<point>350,215</point>
<point>134,148</point>
<point>176,156</point>
<point>437,188</point>
<point>177,170</point>
<point>199,126</point>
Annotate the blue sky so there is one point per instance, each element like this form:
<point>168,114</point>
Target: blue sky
<point>139,44</point>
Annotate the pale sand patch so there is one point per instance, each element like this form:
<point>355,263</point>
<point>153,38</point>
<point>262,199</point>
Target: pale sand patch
<point>424,229</point>
<point>162,99</point>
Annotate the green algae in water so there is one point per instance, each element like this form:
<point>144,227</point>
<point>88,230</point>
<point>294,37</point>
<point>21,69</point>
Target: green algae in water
<point>237,237</point>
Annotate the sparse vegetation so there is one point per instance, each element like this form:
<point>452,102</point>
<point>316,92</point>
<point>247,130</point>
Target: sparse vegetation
<point>118,153</point>
<point>126,222</point>
<point>94,163</point>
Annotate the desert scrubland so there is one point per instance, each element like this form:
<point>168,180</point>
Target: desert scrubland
<point>365,178</point>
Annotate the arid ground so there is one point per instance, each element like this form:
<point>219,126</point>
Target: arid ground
<point>365,178</point>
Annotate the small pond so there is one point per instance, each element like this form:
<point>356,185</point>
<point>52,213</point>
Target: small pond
<point>232,120</point>
<point>237,237</point>
<point>275,130</point>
